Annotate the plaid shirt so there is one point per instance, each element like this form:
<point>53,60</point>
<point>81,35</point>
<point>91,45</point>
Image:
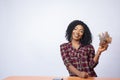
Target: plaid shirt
<point>81,59</point>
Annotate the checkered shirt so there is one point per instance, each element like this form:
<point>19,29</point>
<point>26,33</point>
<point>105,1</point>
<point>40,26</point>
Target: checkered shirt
<point>81,58</point>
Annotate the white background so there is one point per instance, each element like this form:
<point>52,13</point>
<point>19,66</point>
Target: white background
<point>31,32</point>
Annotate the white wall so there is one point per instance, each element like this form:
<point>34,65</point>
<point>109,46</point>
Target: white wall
<point>32,30</point>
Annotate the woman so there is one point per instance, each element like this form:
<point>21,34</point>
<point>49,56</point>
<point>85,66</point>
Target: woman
<point>78,54</point>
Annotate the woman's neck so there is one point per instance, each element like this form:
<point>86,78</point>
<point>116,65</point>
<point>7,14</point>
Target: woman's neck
<point>75,44</point>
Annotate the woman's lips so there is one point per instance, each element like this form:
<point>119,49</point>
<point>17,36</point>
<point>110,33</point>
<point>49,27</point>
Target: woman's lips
<point>76,35</point>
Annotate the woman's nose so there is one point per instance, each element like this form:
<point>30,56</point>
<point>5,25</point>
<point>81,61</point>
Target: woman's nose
<point>77,31</point>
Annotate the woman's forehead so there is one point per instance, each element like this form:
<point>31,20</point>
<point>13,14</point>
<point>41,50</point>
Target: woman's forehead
<point>79,27</point>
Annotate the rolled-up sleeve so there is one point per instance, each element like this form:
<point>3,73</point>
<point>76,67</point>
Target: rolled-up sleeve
<point>92,64</point>
<point>65,55</point>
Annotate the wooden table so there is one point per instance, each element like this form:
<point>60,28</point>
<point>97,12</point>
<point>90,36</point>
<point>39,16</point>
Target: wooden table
<point>55,78</point>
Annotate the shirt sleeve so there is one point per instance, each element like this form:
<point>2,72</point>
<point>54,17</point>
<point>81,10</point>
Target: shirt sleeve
<point>65,56</point>
<point>91,53</point>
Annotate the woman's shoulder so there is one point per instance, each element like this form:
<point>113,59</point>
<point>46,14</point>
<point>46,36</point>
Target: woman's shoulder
<point>64,44</point>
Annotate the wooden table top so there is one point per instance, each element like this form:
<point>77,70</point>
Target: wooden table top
<point>55,78</point>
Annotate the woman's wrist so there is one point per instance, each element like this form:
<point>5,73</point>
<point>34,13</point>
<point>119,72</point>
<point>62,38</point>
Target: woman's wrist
<point>99,52</point>
<point>79,74</point>
<point>83,74</point>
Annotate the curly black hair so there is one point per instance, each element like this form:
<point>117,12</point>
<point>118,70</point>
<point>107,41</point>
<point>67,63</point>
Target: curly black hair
<point>87,36</point>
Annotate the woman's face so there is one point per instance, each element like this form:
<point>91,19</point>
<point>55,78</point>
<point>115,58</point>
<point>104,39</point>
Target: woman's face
<point>77,32</point>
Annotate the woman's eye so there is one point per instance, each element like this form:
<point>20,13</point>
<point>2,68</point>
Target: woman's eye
<point>75,29</point>
<point>82,31</point>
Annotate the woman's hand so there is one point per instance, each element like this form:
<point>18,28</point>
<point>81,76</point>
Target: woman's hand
<point>102,48</point>
<point>105,39</point>
<point>83,74</point>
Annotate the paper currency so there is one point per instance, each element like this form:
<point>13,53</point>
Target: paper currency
<point>104,39</point>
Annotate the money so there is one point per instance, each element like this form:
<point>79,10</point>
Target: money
<point>105,39</point>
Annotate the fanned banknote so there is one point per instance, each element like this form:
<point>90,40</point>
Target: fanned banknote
<point>104,39</point>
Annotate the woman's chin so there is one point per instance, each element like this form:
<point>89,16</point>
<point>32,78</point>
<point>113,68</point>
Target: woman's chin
<point>76,39</point>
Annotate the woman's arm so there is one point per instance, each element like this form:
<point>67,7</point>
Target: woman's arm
<point>105,39</point>
<point>98,53</point>
<point>77,72</point>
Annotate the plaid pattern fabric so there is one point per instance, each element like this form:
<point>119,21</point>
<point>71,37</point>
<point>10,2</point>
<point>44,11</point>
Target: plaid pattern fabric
<point>82,58</point>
